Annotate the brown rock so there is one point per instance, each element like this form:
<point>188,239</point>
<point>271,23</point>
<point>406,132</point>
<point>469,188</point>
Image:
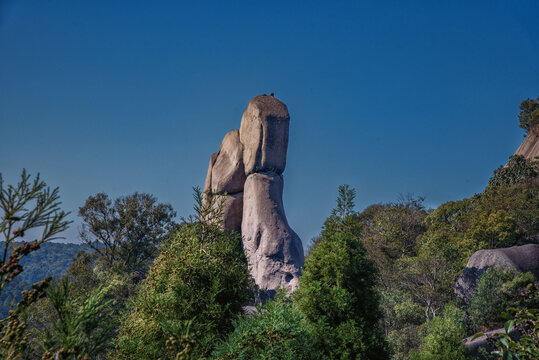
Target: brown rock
<point>227,174</point>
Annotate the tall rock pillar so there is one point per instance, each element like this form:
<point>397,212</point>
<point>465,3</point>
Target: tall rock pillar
<point>250,164</point>
<point>274,251</point>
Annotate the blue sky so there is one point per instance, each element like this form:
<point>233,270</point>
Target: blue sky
<point>391,98</point>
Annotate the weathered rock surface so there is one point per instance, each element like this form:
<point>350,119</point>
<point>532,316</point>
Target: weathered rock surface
<point>529,147</point>
<point>274,251</point>
<point>248,169</point>
<point>264,135</point>
<point>207,183</point>
<point>520,258</point>
<point>227,174</point>
<point>232,211</point>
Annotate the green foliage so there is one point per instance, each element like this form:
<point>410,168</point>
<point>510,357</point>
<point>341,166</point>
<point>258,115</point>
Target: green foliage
<point>529,115</point>
<point>518,170</point>
<point>430,276</point>
<point>345,202</point>
<point>402,319</point>
<point>390,232</point>
<point>127,231</point>
<point>82,327</point>
<point>497,290</point>
<point>444,338</point>
<point>338,297</point>
<point>493,230</point>
<point>275,332</point>
<point>526,321</point>
<point>26,206</point>
<point>195,288</point>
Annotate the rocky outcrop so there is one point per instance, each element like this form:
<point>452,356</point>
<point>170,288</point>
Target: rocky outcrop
<point>274,251</point>
<point>228,173</point>
<point>264,135</point>
<point>225,178</point>
<point>248,170</point>
<point>529,147</point>
<point>519,258</point>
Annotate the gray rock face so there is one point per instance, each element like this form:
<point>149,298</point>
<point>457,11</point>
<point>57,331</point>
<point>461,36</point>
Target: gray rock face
<point>227,173</point>
<point>207,183</point>
<point>248,169</point>
<point>274,251</point>
<point>520,258</point>
<point>233,211</point>
<point>529,147</point>
<point>264,135</point>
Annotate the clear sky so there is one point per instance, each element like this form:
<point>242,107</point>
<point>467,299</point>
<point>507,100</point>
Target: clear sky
<point>391,98</point>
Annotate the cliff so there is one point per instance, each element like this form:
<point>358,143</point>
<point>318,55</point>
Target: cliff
<point>529,147</point>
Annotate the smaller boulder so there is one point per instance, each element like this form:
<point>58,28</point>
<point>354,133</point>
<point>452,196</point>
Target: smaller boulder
<point>227,174</point>
<point>522,258</point>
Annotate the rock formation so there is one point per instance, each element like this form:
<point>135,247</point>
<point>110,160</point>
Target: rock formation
<point>529,147</point>
<point>248,171</point>
<point>520,258</point>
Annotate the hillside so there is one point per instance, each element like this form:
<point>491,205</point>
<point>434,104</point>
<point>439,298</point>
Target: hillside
<point>52,259</point>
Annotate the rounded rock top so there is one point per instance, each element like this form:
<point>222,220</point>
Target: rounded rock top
<point>269,106</point>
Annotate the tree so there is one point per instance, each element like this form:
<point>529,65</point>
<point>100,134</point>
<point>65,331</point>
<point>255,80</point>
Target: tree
<point>529,115</point>
<point>345,202</point>
<point>127,231</point>
<point>444,338</point>
<point>430,276</point>
<point>194,289</point>
<point>26,206</point>
<point>337,293</point>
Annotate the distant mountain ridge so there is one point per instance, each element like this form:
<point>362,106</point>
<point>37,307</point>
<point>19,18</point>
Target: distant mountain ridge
<point>52,259</point>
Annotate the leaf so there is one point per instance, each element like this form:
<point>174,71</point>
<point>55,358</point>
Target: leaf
<point>478,335</point>
<point>509,326</point>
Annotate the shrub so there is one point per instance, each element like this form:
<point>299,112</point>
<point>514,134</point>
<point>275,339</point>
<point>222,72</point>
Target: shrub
<point>276,331</point>
<point>497,290</point>
<point>444,337</point>
<point>517,171</point>
<point>193,291</point>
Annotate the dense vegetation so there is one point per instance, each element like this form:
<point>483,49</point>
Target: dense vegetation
<point>376,284</point>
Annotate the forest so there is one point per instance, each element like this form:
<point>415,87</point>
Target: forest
<point>377,283</point>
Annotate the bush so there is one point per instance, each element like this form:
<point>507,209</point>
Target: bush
<point>276,331</point>
<point>497,290</point>
<point>444,337</point>
<point>193,291</point>
<point>517,171</point>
